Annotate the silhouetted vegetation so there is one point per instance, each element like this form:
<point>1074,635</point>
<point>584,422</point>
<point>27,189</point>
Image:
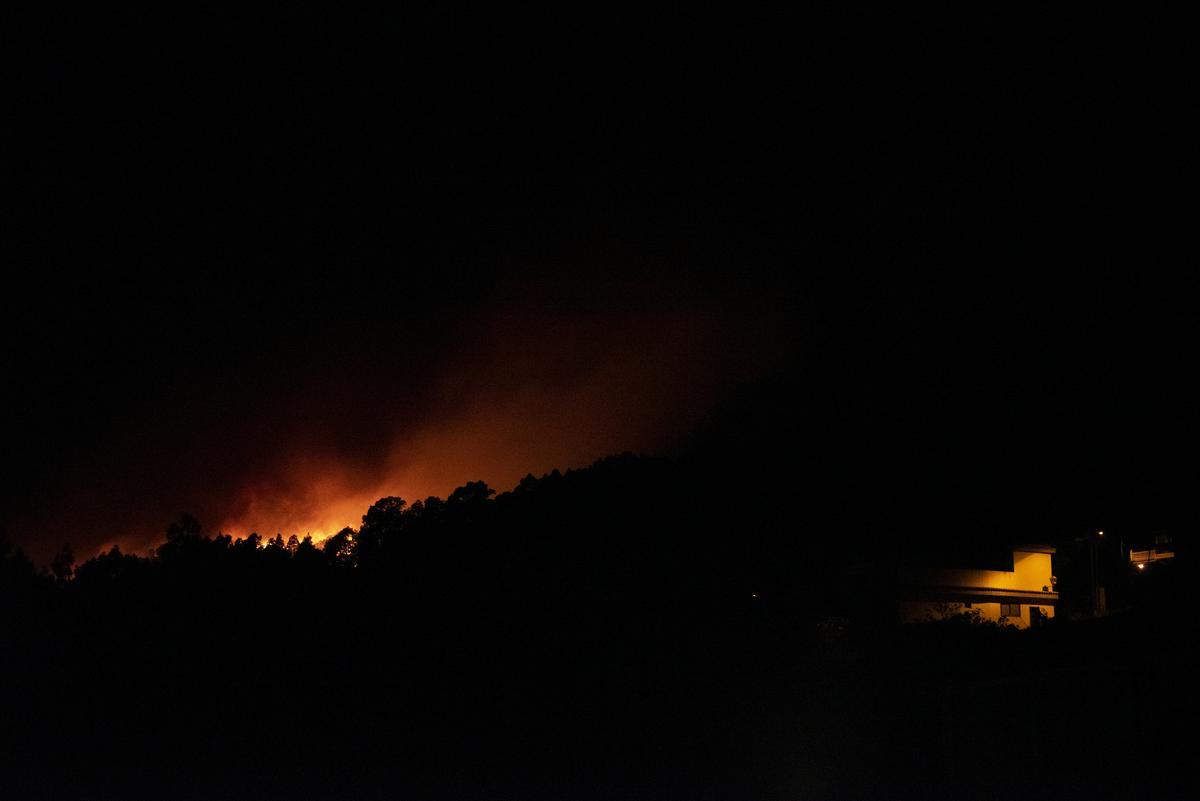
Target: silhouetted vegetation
<point>597,633</point>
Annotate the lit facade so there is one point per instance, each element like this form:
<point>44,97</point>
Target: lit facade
<point>1023,596</point>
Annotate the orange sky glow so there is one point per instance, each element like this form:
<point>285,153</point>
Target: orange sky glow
<point>562,405</point>
<point>541,383</point>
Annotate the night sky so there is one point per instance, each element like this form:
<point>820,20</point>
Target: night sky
<point>268,289</point>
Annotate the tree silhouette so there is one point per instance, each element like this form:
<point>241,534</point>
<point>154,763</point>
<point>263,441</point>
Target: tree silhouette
<point>62,565</point>
<point>381,530</point>
<point>473,493</point>
<point>339,548</point>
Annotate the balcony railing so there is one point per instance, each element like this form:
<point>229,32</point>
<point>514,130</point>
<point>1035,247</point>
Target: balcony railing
<point>1149,555</point>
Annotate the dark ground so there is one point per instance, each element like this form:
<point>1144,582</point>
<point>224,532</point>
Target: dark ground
<point>501,658</point>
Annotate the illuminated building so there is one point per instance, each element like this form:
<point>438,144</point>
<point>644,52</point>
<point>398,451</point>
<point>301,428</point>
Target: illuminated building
<point>1023,596</point>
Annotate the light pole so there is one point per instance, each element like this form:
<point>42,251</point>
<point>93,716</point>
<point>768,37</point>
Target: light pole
<point>1097,601</point>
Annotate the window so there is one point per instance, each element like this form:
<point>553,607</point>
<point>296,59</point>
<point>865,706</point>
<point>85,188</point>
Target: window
<point>1010,610</point>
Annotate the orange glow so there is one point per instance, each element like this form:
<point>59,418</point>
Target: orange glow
<point>530,403</point>
<point>539,383</point>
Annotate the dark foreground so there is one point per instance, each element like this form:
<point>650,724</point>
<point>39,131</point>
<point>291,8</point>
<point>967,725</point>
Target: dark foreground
<point>531,666</point>
<point>638,704</point>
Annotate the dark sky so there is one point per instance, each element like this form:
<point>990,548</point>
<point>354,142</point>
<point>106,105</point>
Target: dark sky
<point>267,270</point>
